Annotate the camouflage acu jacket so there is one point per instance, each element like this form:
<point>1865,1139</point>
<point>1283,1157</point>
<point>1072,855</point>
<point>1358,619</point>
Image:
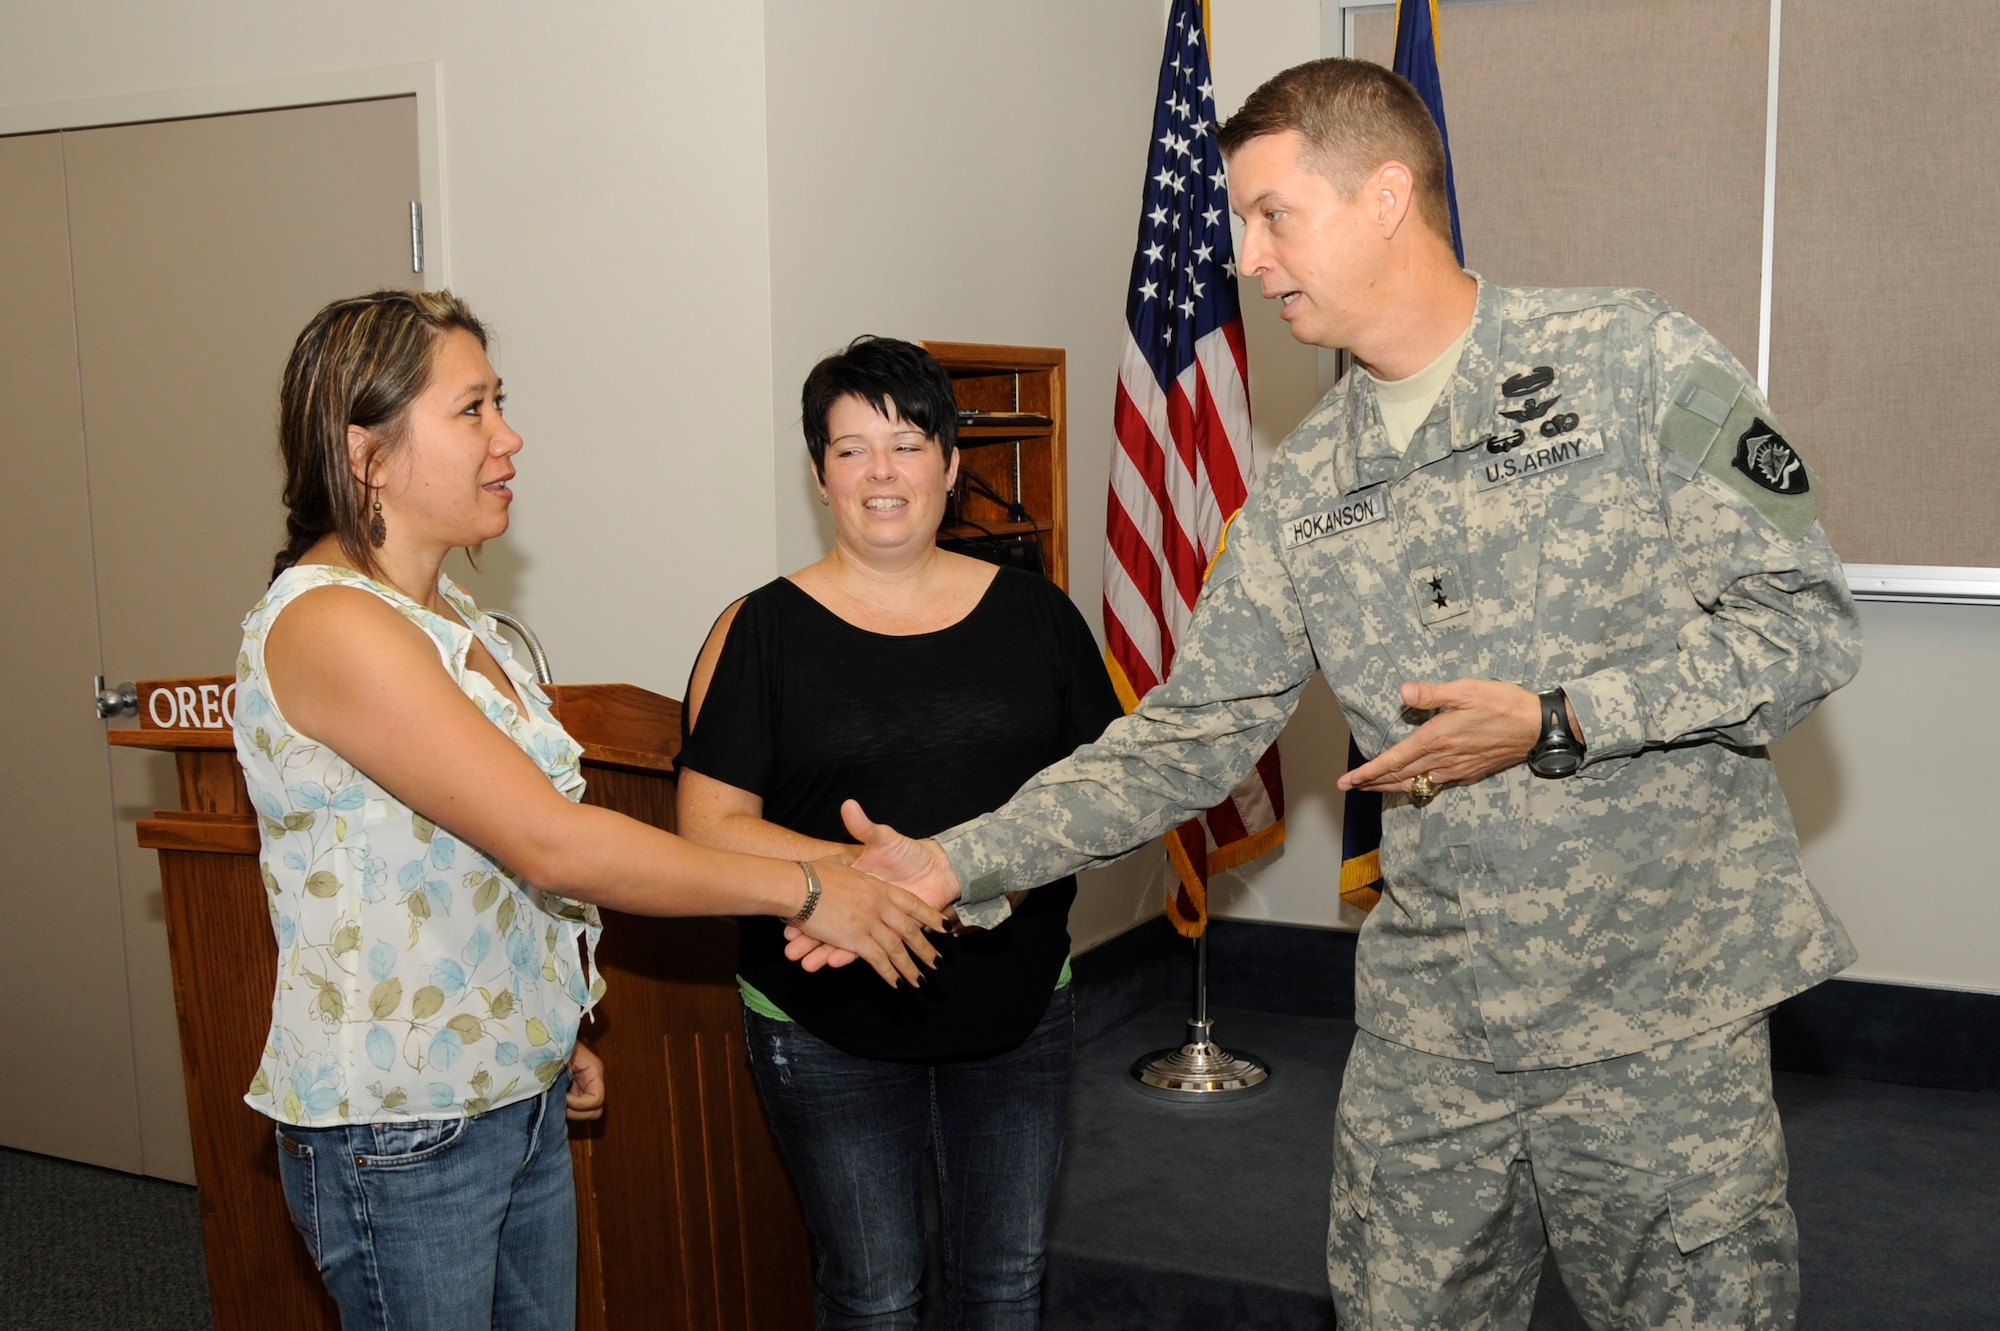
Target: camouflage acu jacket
<point>1598,501</point>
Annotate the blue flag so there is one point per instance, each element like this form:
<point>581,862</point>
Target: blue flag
<point>1360,842</point>
<point>1417,61</point>
<point>1361,816</point>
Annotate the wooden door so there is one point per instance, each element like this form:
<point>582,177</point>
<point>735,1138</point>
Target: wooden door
<point>198,249</point>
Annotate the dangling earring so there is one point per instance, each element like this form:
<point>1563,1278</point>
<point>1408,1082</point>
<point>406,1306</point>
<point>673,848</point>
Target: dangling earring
<point>824,502</point>
<point>377,532</point>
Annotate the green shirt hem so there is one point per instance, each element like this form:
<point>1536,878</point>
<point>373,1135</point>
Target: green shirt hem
<point>753,998</point>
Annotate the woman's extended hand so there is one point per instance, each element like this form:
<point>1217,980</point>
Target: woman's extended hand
<point>881,924</point>
<point>920,866</point>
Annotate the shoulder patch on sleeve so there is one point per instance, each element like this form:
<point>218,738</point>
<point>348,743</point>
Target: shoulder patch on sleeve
<point>1720,427</point>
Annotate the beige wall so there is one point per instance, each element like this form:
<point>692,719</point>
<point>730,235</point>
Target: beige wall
<point>964,173</point>
<point>607,195</point>
<point>604,173</point>
<point>632,328</point>
<point>660,211</point>
<point>1891,782</point>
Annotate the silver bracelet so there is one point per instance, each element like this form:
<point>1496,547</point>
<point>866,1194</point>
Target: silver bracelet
<point>812,893</point>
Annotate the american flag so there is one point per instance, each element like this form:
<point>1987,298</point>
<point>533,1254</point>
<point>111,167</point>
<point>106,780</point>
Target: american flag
<point>1183,465</point>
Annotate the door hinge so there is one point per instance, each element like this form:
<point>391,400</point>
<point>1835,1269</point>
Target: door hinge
<point>416,237</point>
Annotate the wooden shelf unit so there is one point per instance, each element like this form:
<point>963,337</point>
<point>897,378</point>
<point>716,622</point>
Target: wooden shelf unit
<point>1029,464</point>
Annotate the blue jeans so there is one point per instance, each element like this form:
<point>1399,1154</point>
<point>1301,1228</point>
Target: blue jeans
<point>452,1224</point>
<point>854,1132</point>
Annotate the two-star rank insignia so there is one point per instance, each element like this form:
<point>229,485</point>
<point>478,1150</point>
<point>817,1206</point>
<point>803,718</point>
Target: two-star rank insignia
<point>1440,594</point>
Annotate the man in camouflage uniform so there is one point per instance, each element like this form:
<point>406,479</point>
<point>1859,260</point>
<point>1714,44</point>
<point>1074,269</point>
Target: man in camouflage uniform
<point>1562,996</point>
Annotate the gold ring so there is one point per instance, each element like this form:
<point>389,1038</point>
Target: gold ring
<point>1422,788</point>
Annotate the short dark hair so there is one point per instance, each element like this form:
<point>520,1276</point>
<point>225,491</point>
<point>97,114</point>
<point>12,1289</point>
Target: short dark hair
<point>361,361</point>
<point>896,378</point>
<point>1355,115</point>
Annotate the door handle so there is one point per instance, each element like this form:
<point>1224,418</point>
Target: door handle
<point>118,700</point>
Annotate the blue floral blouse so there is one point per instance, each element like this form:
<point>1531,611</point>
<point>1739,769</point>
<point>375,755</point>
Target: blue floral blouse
<point>417,978</point>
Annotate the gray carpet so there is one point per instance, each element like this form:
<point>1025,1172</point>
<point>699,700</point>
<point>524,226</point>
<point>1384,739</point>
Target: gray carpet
<point>1214,1217</point>
<point>1208,1218</point>
<point>89,1249</point>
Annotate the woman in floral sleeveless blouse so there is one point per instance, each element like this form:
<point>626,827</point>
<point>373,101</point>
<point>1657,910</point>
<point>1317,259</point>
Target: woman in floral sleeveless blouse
<point>432,879</point>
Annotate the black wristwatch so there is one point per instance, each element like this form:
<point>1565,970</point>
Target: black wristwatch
<point>1558,752</point>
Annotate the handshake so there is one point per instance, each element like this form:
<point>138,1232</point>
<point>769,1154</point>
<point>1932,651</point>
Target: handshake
<point>877,903</point>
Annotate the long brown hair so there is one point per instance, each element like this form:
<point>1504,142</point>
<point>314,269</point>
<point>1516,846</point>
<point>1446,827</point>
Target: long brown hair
<point>361,361</point>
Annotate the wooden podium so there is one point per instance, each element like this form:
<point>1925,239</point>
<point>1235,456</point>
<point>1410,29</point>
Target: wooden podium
<point>686,1217</point>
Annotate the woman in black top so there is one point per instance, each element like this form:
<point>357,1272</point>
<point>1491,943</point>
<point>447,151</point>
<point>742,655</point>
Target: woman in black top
<point>927,686</point>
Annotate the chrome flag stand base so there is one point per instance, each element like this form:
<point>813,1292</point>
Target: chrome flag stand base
<point>1200,1071</point>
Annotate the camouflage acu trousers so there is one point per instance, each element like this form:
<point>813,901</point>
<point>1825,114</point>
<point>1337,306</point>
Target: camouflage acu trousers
<point>1657,1180</point>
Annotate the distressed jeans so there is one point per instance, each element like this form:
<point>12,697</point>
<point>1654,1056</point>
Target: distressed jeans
<point>855,1131</point>
<point>453,1224</point>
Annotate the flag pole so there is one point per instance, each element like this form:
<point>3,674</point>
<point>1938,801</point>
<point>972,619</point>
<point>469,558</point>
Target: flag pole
<point>1201,1071</point>
<point>1183,463</point>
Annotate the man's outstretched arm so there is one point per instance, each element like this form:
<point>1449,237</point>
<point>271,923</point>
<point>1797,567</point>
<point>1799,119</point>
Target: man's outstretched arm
<point>1236,680</point>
